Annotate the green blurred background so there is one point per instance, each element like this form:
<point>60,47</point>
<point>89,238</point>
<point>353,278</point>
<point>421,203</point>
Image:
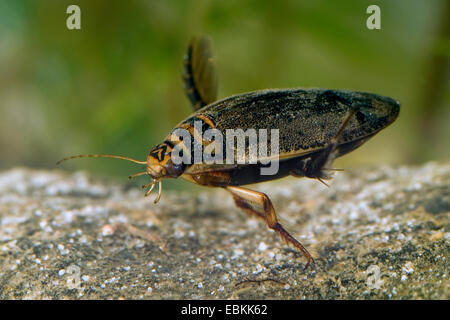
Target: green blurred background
<point>115,85</point>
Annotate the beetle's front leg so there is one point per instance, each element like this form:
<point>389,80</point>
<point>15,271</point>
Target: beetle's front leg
<point>247,200</point>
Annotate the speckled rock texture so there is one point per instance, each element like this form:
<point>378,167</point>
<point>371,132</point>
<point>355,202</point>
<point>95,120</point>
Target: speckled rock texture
<point>376,233</point>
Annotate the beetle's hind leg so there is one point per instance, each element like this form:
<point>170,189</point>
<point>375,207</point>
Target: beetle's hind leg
<point>316,166</point>
<point>247,200</point>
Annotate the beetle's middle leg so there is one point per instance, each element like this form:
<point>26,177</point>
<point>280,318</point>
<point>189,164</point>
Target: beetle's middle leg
<point>247,200</point>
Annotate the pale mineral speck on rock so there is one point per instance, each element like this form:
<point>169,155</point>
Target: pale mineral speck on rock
<point>262,246</point>
<point>55,226</point>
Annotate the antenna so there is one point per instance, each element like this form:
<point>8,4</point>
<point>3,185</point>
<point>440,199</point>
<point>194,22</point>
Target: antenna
<point>101,156</point>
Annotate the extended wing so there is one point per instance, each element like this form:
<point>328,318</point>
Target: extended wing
<point>199,73</point>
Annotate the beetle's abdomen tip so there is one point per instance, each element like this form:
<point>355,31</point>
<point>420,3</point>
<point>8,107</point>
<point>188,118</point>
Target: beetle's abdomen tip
<point>386,106</point>
<point>395,108</point>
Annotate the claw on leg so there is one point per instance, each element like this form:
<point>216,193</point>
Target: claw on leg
<point>326,184</point>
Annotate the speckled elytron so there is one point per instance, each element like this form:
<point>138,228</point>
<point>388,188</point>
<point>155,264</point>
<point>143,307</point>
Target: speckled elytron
<point>315,127</point>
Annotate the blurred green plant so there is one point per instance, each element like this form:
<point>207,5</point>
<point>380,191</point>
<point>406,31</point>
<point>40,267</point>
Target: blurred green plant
<point>115,85</point>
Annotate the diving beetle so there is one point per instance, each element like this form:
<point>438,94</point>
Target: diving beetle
<point>315,127</point>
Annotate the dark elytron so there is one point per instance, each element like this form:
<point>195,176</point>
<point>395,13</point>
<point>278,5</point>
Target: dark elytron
<point>306,119</point>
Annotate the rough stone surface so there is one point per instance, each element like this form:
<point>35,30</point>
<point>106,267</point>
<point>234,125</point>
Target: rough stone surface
<point>376,233</point>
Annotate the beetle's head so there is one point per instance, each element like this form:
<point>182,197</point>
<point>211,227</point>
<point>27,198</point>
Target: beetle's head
<point>159,165</point>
